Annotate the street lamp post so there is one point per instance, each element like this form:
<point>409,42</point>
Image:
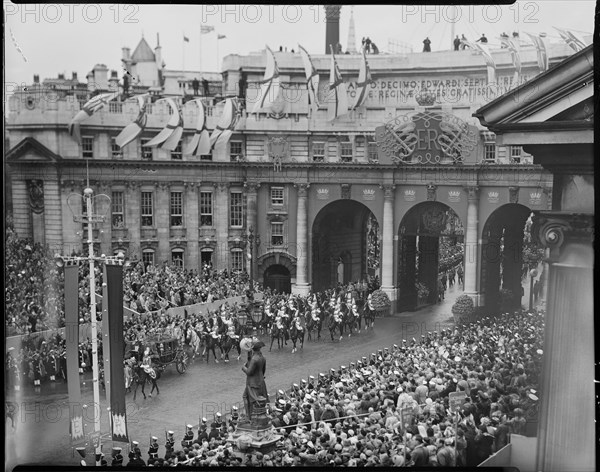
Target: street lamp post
<point>532,274</point>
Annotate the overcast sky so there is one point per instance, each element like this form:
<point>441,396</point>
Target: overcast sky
<point>59,38</point>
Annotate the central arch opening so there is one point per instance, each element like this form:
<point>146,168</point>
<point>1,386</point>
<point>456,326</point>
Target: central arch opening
<point>346,245</point>
<point>431,248</point>
<point>277,277</point>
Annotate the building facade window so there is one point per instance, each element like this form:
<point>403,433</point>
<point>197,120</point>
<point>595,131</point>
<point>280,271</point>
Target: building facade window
<point>318,153</point>
<point>146,152</point>
<point>115,107</point>
<point>516,153</point>
<point>177,257</point>
<point>117,209</point>
<point>87,147</point>
<point>147,258</point>
<point>277,196</point>
<point>489,152</point>
<point>206,209</point>
<point>236,210</point>
<point>176,209</point>
<point>176,154</point>
<point>206,258</point>
<point>147,209</point>
<point>236,150</point>
<point>276,234</point>
<point>346,153</point>
<point>117,152</point>
<point>372,153</point>
<point>237,260</point>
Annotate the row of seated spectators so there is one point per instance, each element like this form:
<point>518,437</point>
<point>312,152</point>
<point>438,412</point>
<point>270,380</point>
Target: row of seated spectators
<point>392,409</point>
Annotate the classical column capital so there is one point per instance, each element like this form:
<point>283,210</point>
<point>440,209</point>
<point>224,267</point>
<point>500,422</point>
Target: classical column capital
<point>302,189</point>
<point>552,228</point>
<point>388,190</point>
<point>472,192</point>
<point>251,187</point>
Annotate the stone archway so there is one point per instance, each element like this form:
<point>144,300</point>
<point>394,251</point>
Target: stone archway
<point>502,253</point>
<point>345,244</point>
<point>430,238</point>
<point>277,277</point>
<point>284,265</point>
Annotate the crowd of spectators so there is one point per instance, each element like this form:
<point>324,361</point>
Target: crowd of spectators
<point>35,286</point>
<point>392,409</point>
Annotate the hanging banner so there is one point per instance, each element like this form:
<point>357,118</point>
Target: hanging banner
<point>72,345</point>
<point>114,304</point>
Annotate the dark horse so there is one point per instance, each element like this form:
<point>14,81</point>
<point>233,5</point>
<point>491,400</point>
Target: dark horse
<point>312,325</point>
<point>209,346</point>
<point>334,326</point>
<point>297,333</point>
<point>279,334</point>
<point>140,377</point>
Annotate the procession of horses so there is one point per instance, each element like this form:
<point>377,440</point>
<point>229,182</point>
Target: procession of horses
<point>283,317</point>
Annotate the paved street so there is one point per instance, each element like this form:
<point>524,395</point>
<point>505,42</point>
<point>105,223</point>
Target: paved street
<point>42,429</point>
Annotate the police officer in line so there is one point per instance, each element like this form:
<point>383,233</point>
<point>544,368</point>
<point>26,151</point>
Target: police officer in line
<point>203,431</point>
<point>153,450</point>
<point>188,438</point>
<point>117,460</point>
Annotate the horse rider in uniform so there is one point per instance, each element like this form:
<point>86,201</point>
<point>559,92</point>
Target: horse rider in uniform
<point>188,438</point>
<point>153,450</point>
<point>147,363</point>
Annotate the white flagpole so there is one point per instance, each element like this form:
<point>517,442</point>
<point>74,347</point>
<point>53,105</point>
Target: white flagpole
<point>200,51</point>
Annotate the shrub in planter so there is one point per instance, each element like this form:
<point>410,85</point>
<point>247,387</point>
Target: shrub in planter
<point>463,309</point>
<point>380,300</point>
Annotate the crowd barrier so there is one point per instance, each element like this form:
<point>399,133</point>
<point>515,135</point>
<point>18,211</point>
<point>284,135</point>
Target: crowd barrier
<point>85,330</point>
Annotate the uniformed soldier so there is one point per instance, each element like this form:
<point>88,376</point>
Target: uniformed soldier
<point>279,395</point>
<point>203,431</point>
<point>215,427</point>
<point>153,450</point>
<point>188,438</point>
<point>311,382</point>
<point>117,457</point>
<point>170,444</point>
<point>235,417</point>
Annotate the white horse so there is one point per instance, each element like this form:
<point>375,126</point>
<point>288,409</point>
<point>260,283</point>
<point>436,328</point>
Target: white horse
<point>193,340</point>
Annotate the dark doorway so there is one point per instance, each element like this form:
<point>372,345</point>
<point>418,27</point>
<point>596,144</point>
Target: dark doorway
<point>277,277</point>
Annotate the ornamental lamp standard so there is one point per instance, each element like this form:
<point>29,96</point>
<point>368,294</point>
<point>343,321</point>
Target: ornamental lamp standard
<point>88,217</point>
<point>532,274</point>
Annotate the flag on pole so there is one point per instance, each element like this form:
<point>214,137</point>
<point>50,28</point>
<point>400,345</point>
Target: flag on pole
<point>489,60</point>
<point>571,39</point>
<point>170,135</point>
<point>364,79</point>
<point>223,131</point>
<point>312,79</point>
<point>90,107</point>
<point>515,55</point>
<point>186,39</point>
<point>204,29</point>
<point>269,87</point>
<point>200,143</point>
<point>221,36</point>
<point>338,98</point>
<point>542,55</point>
<point>133,130</point>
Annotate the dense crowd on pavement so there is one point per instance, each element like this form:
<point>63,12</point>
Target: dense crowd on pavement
<point>35,284</point>
<point>391,409</point>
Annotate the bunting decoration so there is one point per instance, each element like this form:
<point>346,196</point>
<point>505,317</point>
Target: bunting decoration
<point>338,98</point>
<point>542,55</point>
<point>312,79</point>
<point>364,79</point>
<point>515,55</point>
<point>224,129</point>
<point>571,39</point>
<point>170,135</point>
<point>76,427</point>
<point>200,143</point>
<point>91,107</point>
<point>133,130</point>
<point>489,60</point>
<point>114,302</point>
<point>270,86</point>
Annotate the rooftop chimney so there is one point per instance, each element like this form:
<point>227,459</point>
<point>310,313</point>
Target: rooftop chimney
<point>36,79</point>
<point>126,54</point>
<point>61,76</point>
<point>332,28</point>
<point>74,75</point>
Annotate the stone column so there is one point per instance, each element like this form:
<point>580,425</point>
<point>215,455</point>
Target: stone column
<point>162,222</point>
<point>191,217</point>
<point>302,285</point>
<point>221,223</point>
<point>387,246</point>
<point>471,243</point>
<point>566,439</point>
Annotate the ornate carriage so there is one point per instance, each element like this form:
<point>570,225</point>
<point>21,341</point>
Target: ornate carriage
<point>165,350</point>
